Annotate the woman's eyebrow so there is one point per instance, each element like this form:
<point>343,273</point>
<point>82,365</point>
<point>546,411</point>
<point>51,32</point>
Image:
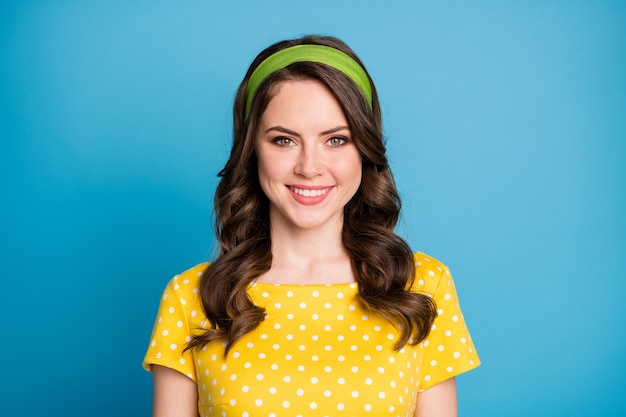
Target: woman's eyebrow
<point>293,133</point>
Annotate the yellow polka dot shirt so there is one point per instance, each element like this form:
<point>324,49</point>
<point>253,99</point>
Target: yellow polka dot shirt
<point>318,352</point>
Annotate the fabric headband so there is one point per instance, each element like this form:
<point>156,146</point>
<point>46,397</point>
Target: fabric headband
<point>308,53</point>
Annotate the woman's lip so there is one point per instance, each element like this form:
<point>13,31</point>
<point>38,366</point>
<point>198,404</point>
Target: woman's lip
<point>309,187</point>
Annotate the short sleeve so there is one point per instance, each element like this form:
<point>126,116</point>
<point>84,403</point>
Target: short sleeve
<point>171,331</point>
<point>448,349</point>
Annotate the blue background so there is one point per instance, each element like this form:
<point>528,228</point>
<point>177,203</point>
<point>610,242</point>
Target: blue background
<point>506,127</point>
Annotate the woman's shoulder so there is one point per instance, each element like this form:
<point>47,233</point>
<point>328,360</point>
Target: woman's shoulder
<point>428,272</point>
<point>189,280</point>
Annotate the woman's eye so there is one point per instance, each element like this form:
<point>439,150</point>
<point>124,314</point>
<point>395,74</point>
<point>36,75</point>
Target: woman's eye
<point>336,141</point>
<point>283,141</point>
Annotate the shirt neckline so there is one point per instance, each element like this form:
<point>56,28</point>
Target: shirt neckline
<point>312,285</point>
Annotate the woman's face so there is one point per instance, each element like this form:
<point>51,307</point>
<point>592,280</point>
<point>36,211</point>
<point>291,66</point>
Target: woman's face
<point>309,167</point>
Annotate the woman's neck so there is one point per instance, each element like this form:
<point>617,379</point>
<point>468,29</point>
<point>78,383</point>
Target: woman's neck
<point>311,256</point>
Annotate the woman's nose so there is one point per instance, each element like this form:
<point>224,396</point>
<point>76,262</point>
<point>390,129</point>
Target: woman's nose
<point>309,162</point>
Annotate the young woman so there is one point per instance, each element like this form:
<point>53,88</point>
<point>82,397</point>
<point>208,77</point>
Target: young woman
<point>314,306</point>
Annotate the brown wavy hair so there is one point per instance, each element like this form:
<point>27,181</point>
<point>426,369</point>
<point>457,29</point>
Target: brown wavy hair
<point>382,261</point>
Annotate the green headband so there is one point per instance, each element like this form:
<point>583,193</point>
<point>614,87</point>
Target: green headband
<point>308,53</point>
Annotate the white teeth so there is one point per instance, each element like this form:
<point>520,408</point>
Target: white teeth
<point>309,193</point>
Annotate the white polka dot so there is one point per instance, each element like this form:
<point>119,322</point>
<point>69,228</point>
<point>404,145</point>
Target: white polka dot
<point>278,305</point>
<point>259,377</point>
<point>368,407</point>
<point>300,392</point>
<point>289,294</point>
<point>355,394</point>
<point>455,318</point>
<point>181,361</point>
<point>165,332</point>
<point>158,355</point>
<point>433,363</point>
<point>171,309</point>
<point>314,380</point>
<point>456,355</point>
<point>381,395</point>
<point>448,333</point>
<point>449,369</point>
<point>245,388</point>
<point>302,304</point>
<point>440,348</point>
<point>341,381</point>
<point>258,402</point>
<point>340,407</point>
<point>286,404</point>
<point>313,406</point>
<point>327,393</point>
<point>369,381</point>
<point>173,346</point>
<point>273,390</point>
